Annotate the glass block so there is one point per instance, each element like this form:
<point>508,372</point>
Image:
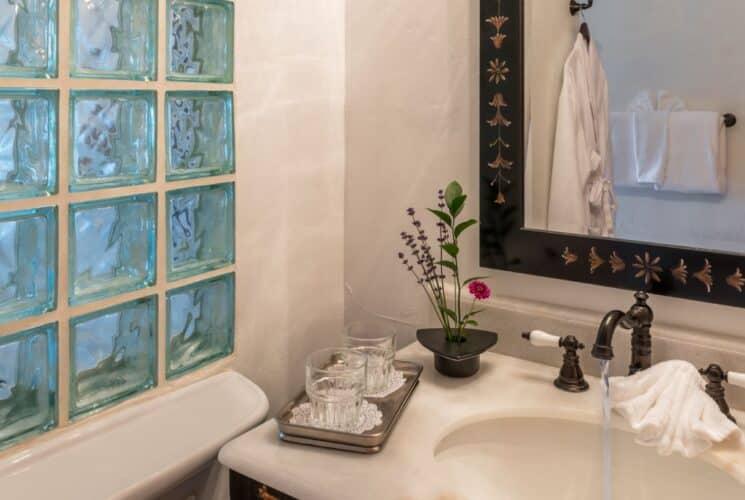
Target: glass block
<point>111,247</point>
<point>28,38</point>
<point>200,324</point>
<point>28,383</point>
<point>114,39</point>
<point>200,37</point>
<point>28,263</point>
<point>200,134</point>
<point>200,229</point>
<point>112,138</point>
<point>28,143</point>
<point>113,355</point>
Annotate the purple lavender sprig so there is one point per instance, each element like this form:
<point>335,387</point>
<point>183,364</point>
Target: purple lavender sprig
<point>429,272</point>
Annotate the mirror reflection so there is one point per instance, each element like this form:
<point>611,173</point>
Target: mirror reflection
<point>635,136</point>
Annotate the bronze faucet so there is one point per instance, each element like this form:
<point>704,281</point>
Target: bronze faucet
<point>638,319</point>
<point>715,376</point>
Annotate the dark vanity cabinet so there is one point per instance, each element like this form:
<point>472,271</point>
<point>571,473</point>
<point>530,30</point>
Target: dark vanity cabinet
<point>245,488</point>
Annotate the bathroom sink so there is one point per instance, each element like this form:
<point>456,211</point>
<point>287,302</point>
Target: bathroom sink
<point>540,458</point>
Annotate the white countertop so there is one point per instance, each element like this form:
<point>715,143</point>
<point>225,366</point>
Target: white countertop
<point>407,468</point>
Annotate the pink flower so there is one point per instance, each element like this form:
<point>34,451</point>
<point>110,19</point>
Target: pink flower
<point>479,290</point>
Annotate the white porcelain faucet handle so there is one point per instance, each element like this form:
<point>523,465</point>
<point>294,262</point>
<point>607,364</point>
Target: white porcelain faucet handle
<point>736,378</point>
<point>540,338</point>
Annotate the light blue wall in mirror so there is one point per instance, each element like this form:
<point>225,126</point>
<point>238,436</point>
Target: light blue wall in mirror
<point>28,263</point>
<point>200,229</point>
<point>112,138</point>
<point>111,247</point>
<point>114,39</point>
<point>28,383</point>
<point>28,31</point>
<point>113,355</point>
<point>28,143</point>
<point>200,134</point>
<point>200,40</point>
<point>200,324</point>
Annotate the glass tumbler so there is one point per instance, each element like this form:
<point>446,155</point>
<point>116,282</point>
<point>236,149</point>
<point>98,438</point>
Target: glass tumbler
<point>335,384</point>
<point>380,354</point>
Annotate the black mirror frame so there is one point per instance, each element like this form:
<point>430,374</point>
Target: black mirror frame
<point>505,243</point>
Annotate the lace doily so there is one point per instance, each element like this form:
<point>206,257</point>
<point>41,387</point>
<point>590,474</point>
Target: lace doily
<point>396,382</point>
<point>370,417</point>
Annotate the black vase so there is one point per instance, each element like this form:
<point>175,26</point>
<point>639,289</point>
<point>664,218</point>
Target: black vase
<point>457,359</point>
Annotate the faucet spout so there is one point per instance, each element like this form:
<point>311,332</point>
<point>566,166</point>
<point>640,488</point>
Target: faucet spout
<point>603,348</point>
<point>639,320</point>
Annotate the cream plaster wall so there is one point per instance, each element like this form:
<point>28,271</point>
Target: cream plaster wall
<point>289,70</point>
<point>411,122</point>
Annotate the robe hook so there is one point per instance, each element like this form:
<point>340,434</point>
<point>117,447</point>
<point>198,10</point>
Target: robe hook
<point>575,6</point>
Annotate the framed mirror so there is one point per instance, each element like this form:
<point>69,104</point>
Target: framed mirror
<point>615,161</point>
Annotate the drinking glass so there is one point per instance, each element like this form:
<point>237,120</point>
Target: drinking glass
<point>380,352</point>
<point>335,383</point>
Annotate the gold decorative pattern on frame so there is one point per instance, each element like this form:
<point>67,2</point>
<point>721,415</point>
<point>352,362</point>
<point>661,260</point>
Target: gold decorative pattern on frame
<point>596,261</point>
<point>704,276</point>
<point>648,268</point>
<point>680,273</point>
<point>617,264</point>
<point>499,38</point>
<point>736,280</point>
<point>498,72</point>
<point>569,257</point>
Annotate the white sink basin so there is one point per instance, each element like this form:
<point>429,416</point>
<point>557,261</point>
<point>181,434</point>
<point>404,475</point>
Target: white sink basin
<point>541,458</point>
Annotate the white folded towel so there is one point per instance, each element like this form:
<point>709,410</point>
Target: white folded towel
<point>697,159</point>
<point>660,100</point>
<point>669,409</point>
<point>651,145</point>
<point>652,133</point>
<point>622,150</point>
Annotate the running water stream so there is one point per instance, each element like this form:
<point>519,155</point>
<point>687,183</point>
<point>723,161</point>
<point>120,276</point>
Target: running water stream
<point>605,388</point>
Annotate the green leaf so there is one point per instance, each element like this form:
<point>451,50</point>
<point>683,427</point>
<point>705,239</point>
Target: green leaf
<point>463,226</point>
<point>442,216</point>
<point>450,313</point>
<point>451,249</point>
<point>469,280</point>
<point>473,313</point>
<point>449,265</point>
<point>451,193</point>
<point>471,322</point>
<point>457,205</point>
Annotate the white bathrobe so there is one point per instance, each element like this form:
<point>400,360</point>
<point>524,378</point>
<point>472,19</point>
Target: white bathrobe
<point>581,199</point>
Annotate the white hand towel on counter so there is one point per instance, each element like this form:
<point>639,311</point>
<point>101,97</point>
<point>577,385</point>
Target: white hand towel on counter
<point>669,409</point>
<point>697,160</point>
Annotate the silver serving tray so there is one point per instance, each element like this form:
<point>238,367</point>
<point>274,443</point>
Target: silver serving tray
<point>368,442</point>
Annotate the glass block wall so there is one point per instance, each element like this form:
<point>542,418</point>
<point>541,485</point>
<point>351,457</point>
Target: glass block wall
<point>117,196</point>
